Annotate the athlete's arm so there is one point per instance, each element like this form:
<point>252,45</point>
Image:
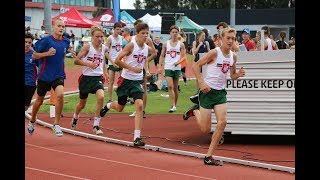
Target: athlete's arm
<point>37,55</point>
<point>208,58</point>
<point>161,58</point>
<point>182,54</point>
<point>83,53</point>
<point>108,45</point>
<point>127,50</point>
<point>152,52</point>
<point>233,74</point>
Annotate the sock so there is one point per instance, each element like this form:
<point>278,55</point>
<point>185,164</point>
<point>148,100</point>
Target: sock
<point>75,116</point>
<point>136,134</point>
<point>96,121</point>
<point>108,105</point>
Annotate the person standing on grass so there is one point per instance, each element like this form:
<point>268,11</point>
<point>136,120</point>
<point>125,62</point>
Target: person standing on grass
<point>182,38</point>
<point>30,71</point>
<point>170,54</point>
<point>51,51</point>
<point>199,46</point>
<point>92,59</point>
<point>131,79</point>
<point>219,62</point>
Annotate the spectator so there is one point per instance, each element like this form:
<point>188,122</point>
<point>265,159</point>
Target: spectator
<point>72,37</point>
<point>269,44</point>
<point>215,40</point>
<point>126,36</point>
<point>220,26</point>
<point>257,40</point>
<point>281,43</point>
<point>184,62</point>
<point>41,33</point>
<point>27,29</point>
<point>69,52</point>
<point>199,46</point>
<point>292,43</point>
<point>158,46</point>
<point>80,45</point>
<point>247,41</point>
<point>210,41</point>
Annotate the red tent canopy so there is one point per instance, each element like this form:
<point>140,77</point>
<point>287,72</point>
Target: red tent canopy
<point>73,18</point>
<point>106,19</point>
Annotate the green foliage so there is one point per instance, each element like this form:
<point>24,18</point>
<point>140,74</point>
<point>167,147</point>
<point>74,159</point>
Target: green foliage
<point>217,4</point>
<point>156,104</point>
<point>138,4</point>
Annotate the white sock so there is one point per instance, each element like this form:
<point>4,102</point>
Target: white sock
<point>136,134</point>
<point>108,105</point>
<point>75,116</point>
<point>96,121</point>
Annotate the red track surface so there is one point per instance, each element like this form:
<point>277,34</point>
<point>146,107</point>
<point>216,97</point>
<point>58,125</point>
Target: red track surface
<point>73,157</point>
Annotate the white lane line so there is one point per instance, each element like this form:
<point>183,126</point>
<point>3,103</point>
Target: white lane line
<point>118,162</point>
<point>50,172</point>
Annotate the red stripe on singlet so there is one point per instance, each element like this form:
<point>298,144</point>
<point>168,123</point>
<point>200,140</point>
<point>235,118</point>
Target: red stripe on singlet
<point>43,66</point>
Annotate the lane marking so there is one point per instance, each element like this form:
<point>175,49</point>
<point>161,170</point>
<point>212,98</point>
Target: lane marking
<point>60,174</point>
<point>118,162</point>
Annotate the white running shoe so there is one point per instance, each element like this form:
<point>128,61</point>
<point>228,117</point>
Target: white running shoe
<point>97,130</point>
<point>31,127</point>
<point>132,114</point>
<point>173,109</point>
<point>57,130</point>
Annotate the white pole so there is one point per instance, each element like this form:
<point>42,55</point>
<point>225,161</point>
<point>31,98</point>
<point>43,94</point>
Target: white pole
<point>233,13</point>
<point>47,16</point>
<point>262,40</point>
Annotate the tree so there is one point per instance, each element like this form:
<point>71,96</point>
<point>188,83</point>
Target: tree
<point>138,4</point>
<point>217,4</point>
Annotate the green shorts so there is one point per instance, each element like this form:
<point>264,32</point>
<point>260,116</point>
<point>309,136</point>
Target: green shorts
<point>112,68</point>
<point>213,97</point>
<point>128,87</point>
<point>89,84</point>
<point>175,74</point>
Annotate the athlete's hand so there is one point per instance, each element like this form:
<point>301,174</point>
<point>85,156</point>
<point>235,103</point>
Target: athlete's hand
<point>136,69</point>
<point>159,71</point>
<point>94,65</point>
<point>73,53</point>
<point>115,66</point>
<point>241,72</point>
<point>51,51</point>
<point>204,87</point>
<point>148,74</point>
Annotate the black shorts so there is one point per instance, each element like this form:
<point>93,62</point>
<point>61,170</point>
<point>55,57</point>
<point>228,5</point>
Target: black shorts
<point>183,70</point>
<point>156,61</point>
<point>43,86</point>
<point>89,84</point>
<point>28,94</point>
<point>123,99</point>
